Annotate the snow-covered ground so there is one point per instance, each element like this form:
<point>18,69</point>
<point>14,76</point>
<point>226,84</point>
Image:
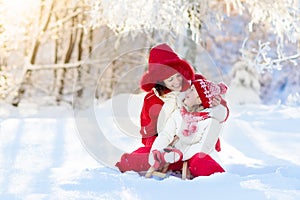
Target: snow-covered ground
<point>44,155</point>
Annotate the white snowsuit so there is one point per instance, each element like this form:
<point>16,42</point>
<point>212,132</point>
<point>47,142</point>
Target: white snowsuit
<point>202,140</point>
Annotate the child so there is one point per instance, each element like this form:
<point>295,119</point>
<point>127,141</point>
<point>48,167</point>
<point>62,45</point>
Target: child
<point>194,124</point>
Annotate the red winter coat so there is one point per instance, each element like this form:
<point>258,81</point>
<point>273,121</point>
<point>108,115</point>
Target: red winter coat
<point>148,117</point>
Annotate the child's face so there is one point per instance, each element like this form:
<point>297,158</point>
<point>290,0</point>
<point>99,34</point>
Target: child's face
<point>174,82</point>
<point>191,97</point>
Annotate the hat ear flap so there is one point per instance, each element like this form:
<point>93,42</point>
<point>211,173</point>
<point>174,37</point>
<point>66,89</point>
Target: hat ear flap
<point>146,83</point>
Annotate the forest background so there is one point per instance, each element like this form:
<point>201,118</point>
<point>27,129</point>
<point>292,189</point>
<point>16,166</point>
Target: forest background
<point>54,51</point>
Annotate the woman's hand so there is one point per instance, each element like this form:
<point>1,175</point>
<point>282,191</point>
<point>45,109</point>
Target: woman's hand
<point>216,100</point>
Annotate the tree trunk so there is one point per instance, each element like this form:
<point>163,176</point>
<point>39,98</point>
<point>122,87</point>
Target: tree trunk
<point>27,76</point>
<point>56,71</point>
<point>79,74</point>
<point>67,59</point>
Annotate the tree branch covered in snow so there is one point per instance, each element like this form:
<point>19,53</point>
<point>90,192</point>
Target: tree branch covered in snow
<point>279,17</point>
<point>126,15</point>
<point>260,58</point>
<point>53,37</point>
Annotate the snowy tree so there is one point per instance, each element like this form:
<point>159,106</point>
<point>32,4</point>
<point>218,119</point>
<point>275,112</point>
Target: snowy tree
<point>57,39</point>
<point>12,42</point>
<point>51,45</point>
<point>245,85</point>
<point>265,19</point>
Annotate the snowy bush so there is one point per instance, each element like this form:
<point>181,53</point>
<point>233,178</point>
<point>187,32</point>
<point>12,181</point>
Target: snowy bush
<point>245,86</point>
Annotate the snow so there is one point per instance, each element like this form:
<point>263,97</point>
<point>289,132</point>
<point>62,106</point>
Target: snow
<point>43,155</point>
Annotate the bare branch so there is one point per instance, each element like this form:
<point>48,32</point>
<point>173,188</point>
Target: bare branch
<point>65,65</point>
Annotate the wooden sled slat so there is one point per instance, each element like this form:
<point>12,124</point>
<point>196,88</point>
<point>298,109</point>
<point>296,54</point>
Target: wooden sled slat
<point>184,170</point>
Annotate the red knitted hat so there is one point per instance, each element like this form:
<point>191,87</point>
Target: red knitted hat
<point>207,90</point>
<point>163,63</point>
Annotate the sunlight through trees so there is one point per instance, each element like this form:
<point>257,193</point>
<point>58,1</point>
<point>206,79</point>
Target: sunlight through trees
<point>56,38</point>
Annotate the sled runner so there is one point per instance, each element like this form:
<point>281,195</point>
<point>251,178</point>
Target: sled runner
<point>152,172</point>
<point>163,173</point>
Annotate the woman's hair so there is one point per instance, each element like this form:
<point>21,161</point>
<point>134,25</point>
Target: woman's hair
<point>161,88</point>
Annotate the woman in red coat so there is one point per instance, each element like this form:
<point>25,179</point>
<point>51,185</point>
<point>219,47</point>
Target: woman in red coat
<point>166,77</point>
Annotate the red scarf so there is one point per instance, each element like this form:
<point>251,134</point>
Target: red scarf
<point>191,119</point>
